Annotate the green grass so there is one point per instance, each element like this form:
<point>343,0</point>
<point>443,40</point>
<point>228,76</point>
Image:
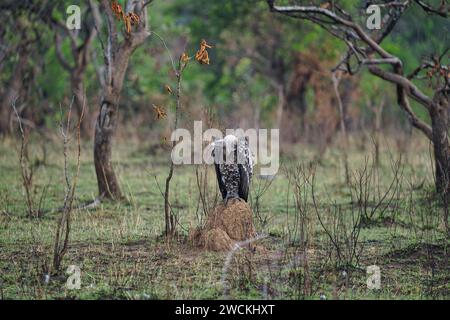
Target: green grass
<point>121,253</point>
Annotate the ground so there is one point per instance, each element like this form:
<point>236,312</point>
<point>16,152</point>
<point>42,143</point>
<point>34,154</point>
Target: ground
<point>122,255</point>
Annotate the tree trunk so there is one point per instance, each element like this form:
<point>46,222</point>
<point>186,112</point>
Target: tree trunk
<point>377,125</point>
<point>117,55</point>
<point>108,186</point>
<point>344,138</point>
<point>13,91</point>
<point>80,100</point>
<point>4,118</point>
<point>105,128</point>
<point>280,106</point>
<point>440,124</point>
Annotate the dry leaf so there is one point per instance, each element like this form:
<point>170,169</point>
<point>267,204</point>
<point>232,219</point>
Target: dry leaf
<point>202,55</point>
<point>117,9</point>
<point>185,58</point>
<point>129,19</point>
<point>127,23</point>
<point>160,113</point>
<point>168,88</point>
<point>134,18</point>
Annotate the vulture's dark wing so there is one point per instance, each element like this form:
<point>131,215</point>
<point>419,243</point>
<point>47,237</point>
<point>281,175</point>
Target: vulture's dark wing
<point>222,188</point>
<point>244,180</point>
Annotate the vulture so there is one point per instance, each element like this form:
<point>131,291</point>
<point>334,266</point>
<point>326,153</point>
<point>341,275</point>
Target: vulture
<point>234,167</point>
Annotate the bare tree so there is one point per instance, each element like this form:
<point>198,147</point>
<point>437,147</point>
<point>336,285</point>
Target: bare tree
<point>117,53</point>
<point>336,78</point>
<point>170,218</point>
<point>15,85</point>
<point>365,50</point>
<point>20,30</point>
<point>80,56</point>
<point>61,243</point>
<point>26,169</point>
<point>377,109</point>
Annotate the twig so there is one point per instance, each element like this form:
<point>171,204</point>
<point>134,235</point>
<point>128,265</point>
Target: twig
<point>170,225</point>
<point>26,170</point>
<point>64,222</point>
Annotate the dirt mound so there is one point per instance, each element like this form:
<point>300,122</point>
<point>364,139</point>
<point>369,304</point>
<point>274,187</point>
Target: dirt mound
<point>225,226</point>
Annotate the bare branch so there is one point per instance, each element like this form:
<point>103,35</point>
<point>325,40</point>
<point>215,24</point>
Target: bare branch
<point>60,55</point>
<point>355,34</point>
<point>25,169</point>
<point>442,11</point>
<point>407,85</point>
<point>72,36</point>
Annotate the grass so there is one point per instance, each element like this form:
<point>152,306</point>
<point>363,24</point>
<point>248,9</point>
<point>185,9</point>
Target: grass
<point>121,254</point>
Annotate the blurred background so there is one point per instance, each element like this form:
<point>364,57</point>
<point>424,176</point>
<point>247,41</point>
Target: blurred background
<point>266,71</point>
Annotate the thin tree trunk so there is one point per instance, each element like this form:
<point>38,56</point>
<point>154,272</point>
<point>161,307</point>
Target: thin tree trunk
<point>80,101</point>
<point>281,104</point>
<point>4,118</point>
<point>256,116</point>
<point>169,217</point>
<point>344,138</point>
<point>13,91</point>
<point>378,118</point>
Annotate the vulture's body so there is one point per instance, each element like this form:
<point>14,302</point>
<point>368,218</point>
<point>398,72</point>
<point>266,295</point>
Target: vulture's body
<point>234,167</point>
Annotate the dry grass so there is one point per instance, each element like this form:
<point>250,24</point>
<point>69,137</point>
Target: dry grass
<point>121,253</point>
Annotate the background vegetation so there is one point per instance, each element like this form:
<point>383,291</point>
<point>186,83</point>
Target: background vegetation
<point>323,224</point>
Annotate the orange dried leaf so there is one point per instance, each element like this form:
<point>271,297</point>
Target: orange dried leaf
<point>117,9</point>
<point>204,44</point>
<point>185,58</point>
<point>128,23</point>
<point>202,55</point>
<point>160,113</point>
<point>134,18</point>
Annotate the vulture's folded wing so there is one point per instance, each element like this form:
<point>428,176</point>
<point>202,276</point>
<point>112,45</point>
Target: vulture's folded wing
<point>244,181</point>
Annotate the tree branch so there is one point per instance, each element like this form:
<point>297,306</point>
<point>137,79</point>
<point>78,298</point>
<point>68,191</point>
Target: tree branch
<point>59,54</point>
<point>354,35</point>
<point>428,8</point>
<point>406,84</point>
